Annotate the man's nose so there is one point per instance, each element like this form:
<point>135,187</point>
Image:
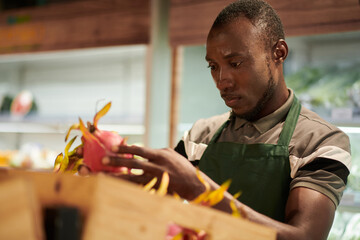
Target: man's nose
<point>224,80</point>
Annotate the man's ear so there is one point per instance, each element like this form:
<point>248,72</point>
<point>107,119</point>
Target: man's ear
<point>280,51</point>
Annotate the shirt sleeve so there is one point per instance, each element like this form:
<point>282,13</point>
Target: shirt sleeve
<point>326,176</point>
<point>320,157</point>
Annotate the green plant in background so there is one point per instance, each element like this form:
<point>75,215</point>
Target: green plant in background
<point>354,177</point>
<point>328,87</point>
<point>346,226</point>
<point>301,80</point>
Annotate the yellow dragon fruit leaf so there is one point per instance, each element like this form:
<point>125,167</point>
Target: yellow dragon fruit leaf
<point>210,198</point>
<point>176,196</point>
<point>163,184</point>
<point>202,197</point>
<point>85,132</point>
<point>65,160</point>
<point>72,127</point>
<point>152,191</point>
<point>150,184</point>
<point>217,195</point>
<point>101,113</point>
<point>76,166</point>
<point>58,161</point>
<point>162,190</point>
<point>237,195</point>
<point>235,210</point>
<point>74,151</point>
<point>201,179</point>
<point>68,146</point>
<point>179,236</point>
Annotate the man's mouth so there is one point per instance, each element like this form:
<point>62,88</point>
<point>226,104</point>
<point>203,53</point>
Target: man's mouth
<point>230,100</point>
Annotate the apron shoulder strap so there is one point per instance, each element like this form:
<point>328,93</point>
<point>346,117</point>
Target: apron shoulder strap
<point>290,123</point>
<point>219,131</point>
<point>288,129</point>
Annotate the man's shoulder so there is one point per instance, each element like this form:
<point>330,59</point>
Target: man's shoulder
<point>216,120</point>
<point>314,134</point>
<point>313,120</point>
<point>203,129</point>
<point>320,156</point>
<point>310,123</point>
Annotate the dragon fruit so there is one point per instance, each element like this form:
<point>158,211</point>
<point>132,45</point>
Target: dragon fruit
<point>95,145</point>
<point>178,232</point>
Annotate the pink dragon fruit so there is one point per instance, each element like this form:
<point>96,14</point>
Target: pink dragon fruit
<point>176,231</point>
<point>96,144</point>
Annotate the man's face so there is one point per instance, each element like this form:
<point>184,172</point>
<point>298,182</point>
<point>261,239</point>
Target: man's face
<point>241,67</point>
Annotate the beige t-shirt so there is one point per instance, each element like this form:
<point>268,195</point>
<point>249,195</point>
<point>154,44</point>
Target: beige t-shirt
<point>319,152</point>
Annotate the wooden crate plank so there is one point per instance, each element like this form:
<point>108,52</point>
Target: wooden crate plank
<point>58,189</point>
<point>115,209</point>
<point>19,210</point>
<point>130,213</point>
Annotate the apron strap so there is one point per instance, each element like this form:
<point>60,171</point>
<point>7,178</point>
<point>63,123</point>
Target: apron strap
<point>219,131</point>
<point>290,123</point>
<point>287,131</point>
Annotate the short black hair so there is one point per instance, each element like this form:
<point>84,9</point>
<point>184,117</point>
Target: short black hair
<point>260,14</point>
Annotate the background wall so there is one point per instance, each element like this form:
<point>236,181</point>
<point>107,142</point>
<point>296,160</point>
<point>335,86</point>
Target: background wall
<point>199,96</point>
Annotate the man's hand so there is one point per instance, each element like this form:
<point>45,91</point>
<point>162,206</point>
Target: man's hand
<point>183,179</point>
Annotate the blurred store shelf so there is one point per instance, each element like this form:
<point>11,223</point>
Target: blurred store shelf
<point>61,128</point>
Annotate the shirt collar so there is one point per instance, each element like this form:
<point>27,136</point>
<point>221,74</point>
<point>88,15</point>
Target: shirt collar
<point>269,121</point>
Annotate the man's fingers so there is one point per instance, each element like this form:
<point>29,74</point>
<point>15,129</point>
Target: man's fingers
<point>130,163</point>
<point>84,170</point>
<point>144,152</point>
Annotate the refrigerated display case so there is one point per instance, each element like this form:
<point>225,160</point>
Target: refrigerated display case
<point>324,72</point>
<point>347,217</point>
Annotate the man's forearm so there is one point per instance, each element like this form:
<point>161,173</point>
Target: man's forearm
<point>310,221</point>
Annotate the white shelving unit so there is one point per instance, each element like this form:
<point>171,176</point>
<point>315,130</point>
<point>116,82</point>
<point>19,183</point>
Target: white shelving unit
<point>67,85</point>
<point>46,128</point>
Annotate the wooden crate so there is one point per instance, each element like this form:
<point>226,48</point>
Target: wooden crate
<point>20,212</point>
<point>116,209</point>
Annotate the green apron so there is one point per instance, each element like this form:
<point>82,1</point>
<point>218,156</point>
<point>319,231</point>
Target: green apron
<point>260,171</point>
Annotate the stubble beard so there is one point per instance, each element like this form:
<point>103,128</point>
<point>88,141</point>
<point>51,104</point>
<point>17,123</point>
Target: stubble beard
<point>253,114</point>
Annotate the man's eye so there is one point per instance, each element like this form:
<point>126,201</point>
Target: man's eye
<point>212,67</point>
<point>235,64</point>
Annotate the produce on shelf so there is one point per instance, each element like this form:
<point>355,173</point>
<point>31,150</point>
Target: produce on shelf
<point>346,226</point>
<point>352,228</point>
<point>354,176</point>
<point>5,157</point>
<point>327,87</point>
<point>6,104</point>
<point>21,105</point>
<point>31,155</point>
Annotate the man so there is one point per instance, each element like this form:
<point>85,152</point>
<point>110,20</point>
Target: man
<point>290,165</point>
